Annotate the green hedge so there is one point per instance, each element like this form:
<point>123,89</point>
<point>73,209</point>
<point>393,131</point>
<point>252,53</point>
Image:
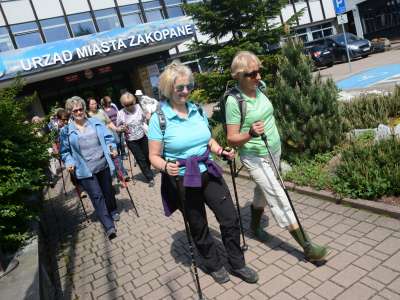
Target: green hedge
<point>23,156</point>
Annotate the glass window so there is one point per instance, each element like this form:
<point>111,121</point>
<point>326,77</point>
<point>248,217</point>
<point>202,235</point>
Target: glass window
<point>81,24</point>
<point>107,19</point>
<point>26,34</point>
<point>131,15</point>
<point>5,40</point>
<point>153,11</point>
<point>174,11</point>
<point>54,29</point>
<point>322,31</point>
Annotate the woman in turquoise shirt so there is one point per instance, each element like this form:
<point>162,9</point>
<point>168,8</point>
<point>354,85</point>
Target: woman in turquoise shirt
<point>187,141</point>
<point>246,135</point>
<point>86,150</point>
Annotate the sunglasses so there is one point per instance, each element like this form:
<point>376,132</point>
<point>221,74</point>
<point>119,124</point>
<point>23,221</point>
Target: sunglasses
<point>181,87</point>
<point>77,110</point>
<point>252,74</point>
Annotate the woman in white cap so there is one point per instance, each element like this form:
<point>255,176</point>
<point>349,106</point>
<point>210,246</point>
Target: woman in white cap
<point>148,104</point>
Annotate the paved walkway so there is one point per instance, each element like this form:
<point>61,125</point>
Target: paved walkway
<point>150,259</point>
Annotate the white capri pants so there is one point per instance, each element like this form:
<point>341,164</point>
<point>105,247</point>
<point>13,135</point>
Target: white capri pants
<point>268,189</point>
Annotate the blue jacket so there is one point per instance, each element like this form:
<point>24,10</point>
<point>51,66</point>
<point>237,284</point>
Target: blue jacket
<point>70,151</point>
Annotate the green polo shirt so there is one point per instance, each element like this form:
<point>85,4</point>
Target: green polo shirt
<point>259,108</point>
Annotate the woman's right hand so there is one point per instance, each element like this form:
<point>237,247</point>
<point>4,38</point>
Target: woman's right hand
<point>257,128</point>
<point>172,168</point>
<point>70,169</point>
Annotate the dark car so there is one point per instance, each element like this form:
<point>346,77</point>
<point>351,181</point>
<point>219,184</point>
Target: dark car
<point>320,53</point>
<point>357,46</point>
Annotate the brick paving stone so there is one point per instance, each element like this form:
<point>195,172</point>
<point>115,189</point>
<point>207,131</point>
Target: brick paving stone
<point>389,246</point>
<point>328,290</point>
<point>395,286</point>
<point>213,290</point>
<point>389,223</point>
<point>364,227</point>
<point>159,293</point>
<point>245,288</point>
<point>141,291</point>
<point>346,240</point>
<point>275,285</point>
<point>379,234</point>
<point>311,281</point>
<point>393,262</point>
<point>388,294</point>
<point>268,273</point>
<point>367,262</point>
<point>296,272</point>
<point>383,274</point>
<point>299,289</point>
<point>348,276</point>
<point>229,295</point>
<point>282,296</point>
<point>357,292</point>
<point>378,255</point>
<point>258,295</point>
<point>313,296</point>
<point>358,248</point>
<point>323,273</point>
<point>341,260</point>
<point>372,283</point>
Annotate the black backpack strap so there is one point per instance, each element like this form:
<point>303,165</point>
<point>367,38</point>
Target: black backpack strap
<point>235,93</point>
<point>161,119</point>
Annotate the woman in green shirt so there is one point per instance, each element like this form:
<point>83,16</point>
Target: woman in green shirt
<point>246,135</point>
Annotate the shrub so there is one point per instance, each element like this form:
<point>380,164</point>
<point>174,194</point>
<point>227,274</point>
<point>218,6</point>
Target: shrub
<point>218,133</point>
<point>369,111</point>
<point>23,156</point>
<point>199,96</point>
<point>306,107</point>
<point>369,170</point>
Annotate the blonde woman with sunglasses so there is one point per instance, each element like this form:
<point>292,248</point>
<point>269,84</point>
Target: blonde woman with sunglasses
<point>246,135</point>
<point>182,151</point>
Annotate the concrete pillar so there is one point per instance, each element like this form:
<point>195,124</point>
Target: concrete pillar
<point>357,22</point>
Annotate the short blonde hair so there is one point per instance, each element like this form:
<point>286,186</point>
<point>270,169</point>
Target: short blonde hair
<point>170,74</point>
<point>125,97</point>
<point>73,101</point>
<point>241,61</point>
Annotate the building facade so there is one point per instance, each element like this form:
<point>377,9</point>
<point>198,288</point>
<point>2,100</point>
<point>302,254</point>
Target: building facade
<point>97,47</point>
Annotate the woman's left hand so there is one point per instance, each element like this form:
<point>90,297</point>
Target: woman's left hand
<point>228,153</point>
<point>114,153</point>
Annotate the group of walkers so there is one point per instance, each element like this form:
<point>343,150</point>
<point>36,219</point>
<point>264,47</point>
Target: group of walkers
<point>178,143</point>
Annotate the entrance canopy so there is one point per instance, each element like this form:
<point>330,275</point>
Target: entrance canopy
<point>63,57</point>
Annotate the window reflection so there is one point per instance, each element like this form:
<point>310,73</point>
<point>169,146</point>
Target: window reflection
<point>54,29</point>
<point>153,11</point>
<point>26,34</point>
<point>131,15</point>
<point>5,40</point>
<point>81,24</point>
<point>107,19</point>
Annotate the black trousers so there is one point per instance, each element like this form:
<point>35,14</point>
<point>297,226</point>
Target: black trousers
<point>101,193</point>
<point>215,194</point>
<point>140,150</point>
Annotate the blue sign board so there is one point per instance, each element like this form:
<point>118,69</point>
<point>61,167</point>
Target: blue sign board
<point>62,53</point>
<point>340,6</point>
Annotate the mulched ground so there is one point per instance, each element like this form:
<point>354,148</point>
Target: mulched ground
<point>392,200</point>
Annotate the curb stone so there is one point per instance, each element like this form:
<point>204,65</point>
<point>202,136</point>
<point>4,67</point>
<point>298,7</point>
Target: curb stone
<point>373,206</point>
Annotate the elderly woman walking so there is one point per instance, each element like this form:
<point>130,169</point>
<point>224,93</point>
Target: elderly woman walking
<point>133,120</point>
<point>186,139</point>
<point>86,150</point>
<point>246,135</point>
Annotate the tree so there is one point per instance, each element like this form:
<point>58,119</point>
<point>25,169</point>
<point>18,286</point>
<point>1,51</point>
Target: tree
<point>306,107</point>
<point>23,157</point>
<point>245,25</point>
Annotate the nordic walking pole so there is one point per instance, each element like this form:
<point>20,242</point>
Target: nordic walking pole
<point>62,176</point>
<point>231,163</point>
<point>188,235</point>
<point>264,138</point>
<point>78,191</point>
<point>121,178</point>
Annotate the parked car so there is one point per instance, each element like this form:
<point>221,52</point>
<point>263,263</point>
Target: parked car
<point>357,46</point>
<point>320,53</point>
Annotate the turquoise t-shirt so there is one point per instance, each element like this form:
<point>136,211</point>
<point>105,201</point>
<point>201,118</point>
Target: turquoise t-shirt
<point>183,137</point>
<point>257,109</point>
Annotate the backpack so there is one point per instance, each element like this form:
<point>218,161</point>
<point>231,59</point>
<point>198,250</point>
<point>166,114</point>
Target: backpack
<point>236,94</point>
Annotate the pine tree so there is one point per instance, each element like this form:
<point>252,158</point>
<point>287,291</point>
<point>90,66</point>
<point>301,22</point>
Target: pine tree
<point>245,25</point>
<point>306,107</point>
